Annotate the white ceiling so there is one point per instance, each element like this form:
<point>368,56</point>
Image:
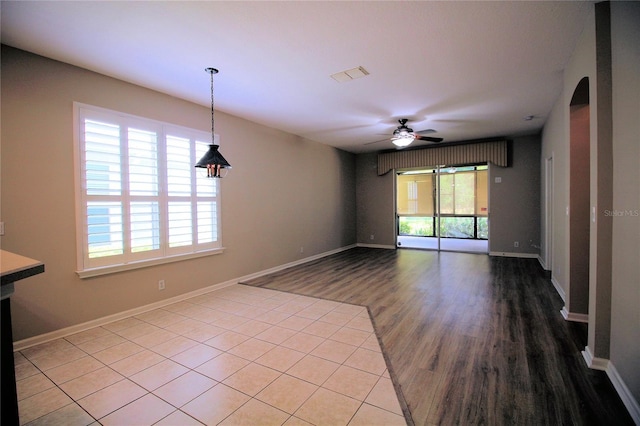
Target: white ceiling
<point>470,70</point>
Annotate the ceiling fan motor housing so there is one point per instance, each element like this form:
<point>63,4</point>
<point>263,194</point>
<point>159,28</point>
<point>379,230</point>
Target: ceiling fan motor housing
<point>403,130</point>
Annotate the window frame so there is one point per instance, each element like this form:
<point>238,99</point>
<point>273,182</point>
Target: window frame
<point>199,193</point>
<point>431,217</point>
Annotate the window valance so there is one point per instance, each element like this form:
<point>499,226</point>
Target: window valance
<point>451,155</point>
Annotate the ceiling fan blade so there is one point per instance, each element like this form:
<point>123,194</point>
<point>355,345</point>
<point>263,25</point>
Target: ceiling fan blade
<point>425,132</point>
<point>428,138</point>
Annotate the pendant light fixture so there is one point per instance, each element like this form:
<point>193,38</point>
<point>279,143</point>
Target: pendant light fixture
<point>213,161</point>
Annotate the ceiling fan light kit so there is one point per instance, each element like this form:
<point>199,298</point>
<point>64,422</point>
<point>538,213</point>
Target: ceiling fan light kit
<point>402,140</point>
<point>403,135</point>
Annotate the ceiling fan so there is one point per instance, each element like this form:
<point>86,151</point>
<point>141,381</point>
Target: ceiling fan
<point>403,136</point>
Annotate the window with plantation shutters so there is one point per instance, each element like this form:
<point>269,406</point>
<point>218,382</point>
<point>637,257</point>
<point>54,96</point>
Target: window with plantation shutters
<point>140,199</point>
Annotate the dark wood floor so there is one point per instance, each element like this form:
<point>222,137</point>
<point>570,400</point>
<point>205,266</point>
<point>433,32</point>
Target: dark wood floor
<point>468,338</point>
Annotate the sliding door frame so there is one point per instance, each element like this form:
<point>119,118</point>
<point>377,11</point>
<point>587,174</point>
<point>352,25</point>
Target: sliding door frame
<point>437,214</point>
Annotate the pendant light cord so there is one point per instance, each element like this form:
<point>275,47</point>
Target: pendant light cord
<point>212,71</point>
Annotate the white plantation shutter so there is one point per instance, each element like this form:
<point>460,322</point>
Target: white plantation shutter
<point>143,162</point>
<point>140,197</point>
<point>207,218</point>
<point>179,171</point>
<point>203,189</point>
<point>207,205</point>
<point>102,155</point>
<point>103,182</point>
<point>104,227</point>
<point>180,224</point>
<point>144,202</point>
<point>179,166</point>
<point>145,226</point>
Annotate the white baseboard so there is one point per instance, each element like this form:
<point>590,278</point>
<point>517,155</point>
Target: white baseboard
<point>565,313</point>
<point>620,386</point>
<point>541,262</point>
<point>380,246</point>
<point>572,316</point>
<point>294,263</point>
<point>67,331</point>
<point>593,362</point>
<point>558,288</point>
<point>625,394</point>
<point>509,254</point>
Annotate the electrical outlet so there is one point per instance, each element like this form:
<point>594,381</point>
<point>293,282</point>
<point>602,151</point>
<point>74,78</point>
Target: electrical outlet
<point>1,228</point>
<point>161,285</point>
<point>372,237</point>
<point>516,244</point>
<point>301,249</point>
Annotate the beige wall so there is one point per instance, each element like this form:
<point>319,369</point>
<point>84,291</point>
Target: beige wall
<point>514,203</point>
<point>375,203</point>
<point>625,298</point>
<point>622,331</point>
<point>282,194</point>
<point>553,148</point>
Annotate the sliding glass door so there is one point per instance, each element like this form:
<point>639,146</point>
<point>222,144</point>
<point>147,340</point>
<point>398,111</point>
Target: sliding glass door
<point>443,208</point>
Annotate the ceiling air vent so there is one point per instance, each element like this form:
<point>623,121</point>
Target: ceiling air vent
<point>349,75</point>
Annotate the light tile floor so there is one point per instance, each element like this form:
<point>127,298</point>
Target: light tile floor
<point>236,356</point>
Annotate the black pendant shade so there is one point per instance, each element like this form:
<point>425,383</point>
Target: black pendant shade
<point>213,161</point>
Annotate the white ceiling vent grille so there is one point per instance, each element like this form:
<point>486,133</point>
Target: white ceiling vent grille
<point>349,75</point>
